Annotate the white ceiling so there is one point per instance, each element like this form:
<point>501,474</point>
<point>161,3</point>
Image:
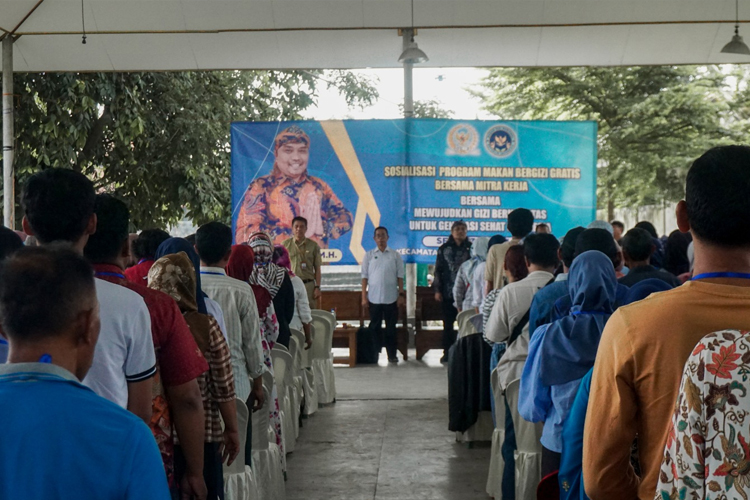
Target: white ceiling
<point>129,35</point>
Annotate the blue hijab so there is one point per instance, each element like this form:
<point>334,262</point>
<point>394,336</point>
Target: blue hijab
<point>571,342</point>
<point>177,245</point>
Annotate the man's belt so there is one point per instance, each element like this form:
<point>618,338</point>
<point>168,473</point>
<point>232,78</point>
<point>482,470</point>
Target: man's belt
<point>307,281</point>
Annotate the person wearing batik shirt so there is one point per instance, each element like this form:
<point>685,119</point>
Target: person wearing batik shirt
<point>177,403</point>
<point>707,453</point>
<point>272,201</point>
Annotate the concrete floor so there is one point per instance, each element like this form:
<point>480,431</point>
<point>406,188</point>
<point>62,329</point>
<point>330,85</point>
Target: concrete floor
<point>386,438</point>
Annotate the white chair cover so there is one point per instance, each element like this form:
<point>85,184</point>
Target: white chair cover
<point>497,463</point>
<point>308,378</point>
<point>282,366</point>
<point>463,316</point>
<point>266,459</point>
<point>269,385</point>
<point>296,382</point>
<point>239,479</point>
<point>528,448</point>
<point>322,357</point>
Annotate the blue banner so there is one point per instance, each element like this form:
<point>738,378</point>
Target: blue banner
<point>415,177</point>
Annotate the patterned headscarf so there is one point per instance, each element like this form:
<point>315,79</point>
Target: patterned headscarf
<point>265,273</point>
<point>240,267</point>
<point>174,275</point>
<point>291,134</point>
<point>176,245</point>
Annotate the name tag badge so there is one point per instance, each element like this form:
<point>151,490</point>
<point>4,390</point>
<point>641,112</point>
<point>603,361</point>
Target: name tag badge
<point>304,266</point>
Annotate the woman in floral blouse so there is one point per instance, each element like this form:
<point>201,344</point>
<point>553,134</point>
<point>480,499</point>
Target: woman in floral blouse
<point>708,447</point>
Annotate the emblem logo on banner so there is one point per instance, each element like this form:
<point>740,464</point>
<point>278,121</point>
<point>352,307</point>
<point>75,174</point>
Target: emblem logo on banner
<point>463,140</point>
<point>500,141</point>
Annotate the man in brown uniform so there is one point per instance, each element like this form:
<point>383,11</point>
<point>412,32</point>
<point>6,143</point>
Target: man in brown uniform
<point>306,261</point>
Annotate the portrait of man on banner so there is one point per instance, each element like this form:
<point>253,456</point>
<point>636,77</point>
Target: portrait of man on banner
<point>272,201</point>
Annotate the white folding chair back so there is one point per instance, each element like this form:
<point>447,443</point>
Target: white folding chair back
<point>497,463</point>
<point>322,356</point>
<point>463,316</point>
<point>467,327</point>
<point>282,370</point>
<point>243,415</point>
<point>328,315</point>
<point>261,420</point>
<point>267,460</point>
<point>528,448</point>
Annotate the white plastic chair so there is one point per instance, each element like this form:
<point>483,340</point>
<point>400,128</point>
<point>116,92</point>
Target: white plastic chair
<point>269,476</point>
<point>328,315</point>
<point>239,479</point>
<point>467,326</point>
<point>282,374</point>
<point>463,316</point>
<point>322,357</point>
<point>528,453</point>
<point>296,384</point>
<point>497,463</point>
<point>308,376</point>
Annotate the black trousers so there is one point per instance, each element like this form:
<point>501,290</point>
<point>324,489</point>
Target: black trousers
<point>449,317</point>
<point>249,441</point>
<point>389,312</point>
<point>550,461</point>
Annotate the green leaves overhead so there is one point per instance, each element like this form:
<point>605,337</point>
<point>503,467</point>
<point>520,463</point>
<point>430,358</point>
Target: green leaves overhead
<point>159,141</point>
<point>653,121</point>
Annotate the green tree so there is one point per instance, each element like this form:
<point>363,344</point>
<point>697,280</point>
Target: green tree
<point>653,121</point>
<point>159,141</point>
<point>429,108</point>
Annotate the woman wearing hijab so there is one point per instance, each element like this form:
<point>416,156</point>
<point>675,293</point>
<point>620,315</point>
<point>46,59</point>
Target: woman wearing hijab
<point>175,275</point>
<point>240,266</point>
<point>275,280</point>
<point>676,259</point>
<point>205,304</point>
<point>561,352</point>
<point>463,298</point>
<point>571,464</point>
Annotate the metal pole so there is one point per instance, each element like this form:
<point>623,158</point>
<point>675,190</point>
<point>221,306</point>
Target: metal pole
<point>408,82</point>
<point>411,269</point>
<point>9,195</point>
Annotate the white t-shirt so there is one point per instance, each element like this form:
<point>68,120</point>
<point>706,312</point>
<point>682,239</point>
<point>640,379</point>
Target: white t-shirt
<point>125,350</point>
<point>302,313</point>
<point>214,309</point>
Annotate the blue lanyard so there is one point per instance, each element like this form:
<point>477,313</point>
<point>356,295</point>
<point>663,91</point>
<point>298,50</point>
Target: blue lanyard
<point>211,272</point>
<point>116,275</point>
<point>701,276</point>
<point>142,261</point>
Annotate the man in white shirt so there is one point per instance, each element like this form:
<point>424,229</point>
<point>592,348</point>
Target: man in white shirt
<point>382,288</point>
<point>59,207</point>
<point>512,305</point>
<point>213,242</point>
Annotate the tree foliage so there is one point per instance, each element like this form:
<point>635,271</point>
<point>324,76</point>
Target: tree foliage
<point>159,141</point>
<point>653,121</point>
<point>429,108</point>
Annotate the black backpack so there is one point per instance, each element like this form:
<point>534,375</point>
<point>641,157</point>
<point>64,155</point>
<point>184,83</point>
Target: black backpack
<point>368,350</point>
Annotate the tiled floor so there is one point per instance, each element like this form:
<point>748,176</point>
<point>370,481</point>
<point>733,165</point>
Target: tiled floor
<point>386,437</point>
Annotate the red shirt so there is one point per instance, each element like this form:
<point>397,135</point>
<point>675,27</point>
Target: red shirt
<point>178,356</point>
<point>138,274</point>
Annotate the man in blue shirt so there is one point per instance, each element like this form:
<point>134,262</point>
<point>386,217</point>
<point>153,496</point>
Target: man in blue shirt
<point>60,440</point>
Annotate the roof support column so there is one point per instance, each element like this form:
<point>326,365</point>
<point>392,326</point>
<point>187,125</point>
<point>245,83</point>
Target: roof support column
<point>9,195</point>
<point>406,35</point>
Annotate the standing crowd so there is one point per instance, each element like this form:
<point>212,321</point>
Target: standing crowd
<point>121,363</point>
<point>630,350</point>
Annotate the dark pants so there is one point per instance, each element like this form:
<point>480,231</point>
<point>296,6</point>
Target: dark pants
<point>508,452</point>
<point>213,473</point>
<point>249,441</point>
<point>449,317</point>
<point>389,312</point>
<point>550,461</point>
